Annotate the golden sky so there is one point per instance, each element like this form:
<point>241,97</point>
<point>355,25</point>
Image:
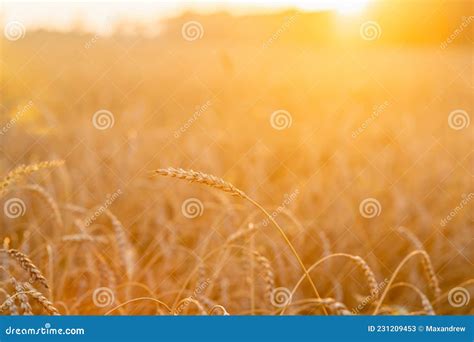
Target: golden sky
<point>92,14</point>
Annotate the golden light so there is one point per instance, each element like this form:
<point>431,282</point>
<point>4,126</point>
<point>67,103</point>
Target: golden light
<point>344,7</point>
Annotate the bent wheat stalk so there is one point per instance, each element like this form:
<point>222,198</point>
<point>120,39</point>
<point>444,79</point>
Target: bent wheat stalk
<point>394,275</point>
<point>372,282</point>
<point>218,183</point>
<point>27,265</point>
<point>22,171</point>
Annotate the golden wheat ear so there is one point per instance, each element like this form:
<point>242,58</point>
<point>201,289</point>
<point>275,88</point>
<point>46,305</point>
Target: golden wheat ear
<point>202,178</point>
<point>22,171</point>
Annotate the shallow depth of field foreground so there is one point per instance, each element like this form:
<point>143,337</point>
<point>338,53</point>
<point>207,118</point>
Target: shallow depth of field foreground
<point>279,162</point>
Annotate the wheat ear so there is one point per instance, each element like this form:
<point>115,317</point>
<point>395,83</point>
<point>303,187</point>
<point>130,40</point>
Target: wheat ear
<point>219,183</point>
<point>268,274</point>
<point>40,298</point>
<point>22,171</point>
<point>27,265</point>
<point>428,268</point>
<point>42,192</point>
<point>22,297</point>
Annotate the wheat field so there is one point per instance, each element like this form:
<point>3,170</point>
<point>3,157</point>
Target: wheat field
<point>171,176</point>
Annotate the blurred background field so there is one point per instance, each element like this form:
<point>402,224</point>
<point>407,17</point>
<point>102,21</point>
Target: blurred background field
<point>366,114</point>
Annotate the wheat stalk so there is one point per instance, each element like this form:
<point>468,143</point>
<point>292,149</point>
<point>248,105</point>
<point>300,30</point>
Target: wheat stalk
<point>27,265</point>
<point>22,171</point>
<point>40,298</point>
<point>126,251</point>
<point>42,192</point>
<point>219,183</point>
<point>268,274</point>
<point>428,268</point>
